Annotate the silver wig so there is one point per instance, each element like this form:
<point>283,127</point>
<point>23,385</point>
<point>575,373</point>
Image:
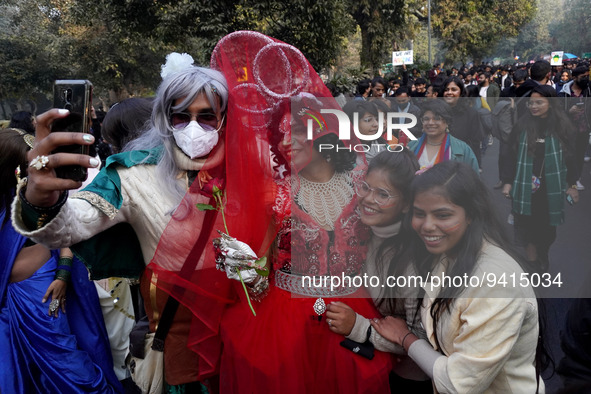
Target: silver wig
<point>186,85</point>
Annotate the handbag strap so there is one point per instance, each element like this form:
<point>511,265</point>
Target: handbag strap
<point>193,258</point>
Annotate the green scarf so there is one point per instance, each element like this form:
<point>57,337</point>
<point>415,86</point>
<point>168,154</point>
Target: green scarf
<point>554,174</point>
<point>115,251</point>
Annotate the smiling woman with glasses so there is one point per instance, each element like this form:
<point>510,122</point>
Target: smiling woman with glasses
<point>383,201</point>
<point>436,144</point>
<point>381,196</point>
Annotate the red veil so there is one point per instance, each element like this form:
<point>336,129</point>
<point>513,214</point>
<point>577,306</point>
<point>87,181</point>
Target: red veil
<point>281,349</point>
<point>263,74</point>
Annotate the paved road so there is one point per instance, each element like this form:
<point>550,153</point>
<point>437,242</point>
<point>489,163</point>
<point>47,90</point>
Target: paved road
<point>570,254</point>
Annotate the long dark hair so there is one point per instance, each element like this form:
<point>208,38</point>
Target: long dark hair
<point>341,159</point>
<point>461,186</point>
<point>458,81</point>
<point>557,122</point>
<point>401,168</point>
<point>472,91</point>
<point>14,154</point>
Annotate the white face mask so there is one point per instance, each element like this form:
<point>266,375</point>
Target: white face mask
<point>195,141</point>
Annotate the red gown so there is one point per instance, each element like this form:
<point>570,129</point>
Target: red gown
<point>287,348</point>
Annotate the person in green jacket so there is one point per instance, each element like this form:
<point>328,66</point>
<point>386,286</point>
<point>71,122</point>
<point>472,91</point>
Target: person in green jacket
<point>436,144</point>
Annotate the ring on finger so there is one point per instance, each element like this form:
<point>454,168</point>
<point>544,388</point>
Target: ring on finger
<point>329,321</point>
<point>53,305</point>
<point>39,162</point>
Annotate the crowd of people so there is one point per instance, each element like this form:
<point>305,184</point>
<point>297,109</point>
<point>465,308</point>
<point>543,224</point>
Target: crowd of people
<point>194,259</point>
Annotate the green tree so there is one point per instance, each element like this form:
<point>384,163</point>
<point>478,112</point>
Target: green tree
<point>471,28</point>
<point>572,30</point>
<point>29,61</point>
<point>382,23</point>
<point>316,27</point>
<point>120,45</point>
<point>534,38</point>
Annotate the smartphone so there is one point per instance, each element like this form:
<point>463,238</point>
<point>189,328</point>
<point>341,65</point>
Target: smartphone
<point>76,96</point>
<point>570,200</point>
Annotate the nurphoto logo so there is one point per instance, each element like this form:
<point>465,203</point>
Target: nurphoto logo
<point>345,124</point>
<point>393,121</point>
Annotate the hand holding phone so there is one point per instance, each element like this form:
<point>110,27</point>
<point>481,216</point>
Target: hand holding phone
<point>59,158</point>
<point>76,97</point>
<point>570,200</point>
<point>44,188</point>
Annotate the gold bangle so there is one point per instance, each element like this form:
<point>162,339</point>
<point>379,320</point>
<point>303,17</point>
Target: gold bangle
<point>574,187</point>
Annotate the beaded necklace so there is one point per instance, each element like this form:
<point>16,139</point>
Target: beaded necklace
<point>325,201</point>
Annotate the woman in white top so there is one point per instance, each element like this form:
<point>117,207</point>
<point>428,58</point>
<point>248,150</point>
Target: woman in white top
<point>480,338</point>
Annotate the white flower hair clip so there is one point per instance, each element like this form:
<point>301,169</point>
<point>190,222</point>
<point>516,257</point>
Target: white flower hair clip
<point>176,62</point>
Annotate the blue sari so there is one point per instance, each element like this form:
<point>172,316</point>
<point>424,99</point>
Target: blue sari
<point>41,353</point>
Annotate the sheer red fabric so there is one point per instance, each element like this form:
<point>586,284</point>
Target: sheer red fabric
<point>184,267</point>
<point>249,201</point>
<point>284,348</point>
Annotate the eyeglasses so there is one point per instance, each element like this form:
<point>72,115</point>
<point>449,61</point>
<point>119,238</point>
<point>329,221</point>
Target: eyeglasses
<point>208,121</point>
<point>380,196</point>
<point>435,119</point>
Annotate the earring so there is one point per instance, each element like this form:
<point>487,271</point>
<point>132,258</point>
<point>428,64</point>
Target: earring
<point>327,158</point>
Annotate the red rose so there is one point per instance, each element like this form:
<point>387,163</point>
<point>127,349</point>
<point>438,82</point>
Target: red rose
<point>214,186</point>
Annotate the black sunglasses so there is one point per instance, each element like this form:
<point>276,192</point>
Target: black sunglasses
<point>207,120</point>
